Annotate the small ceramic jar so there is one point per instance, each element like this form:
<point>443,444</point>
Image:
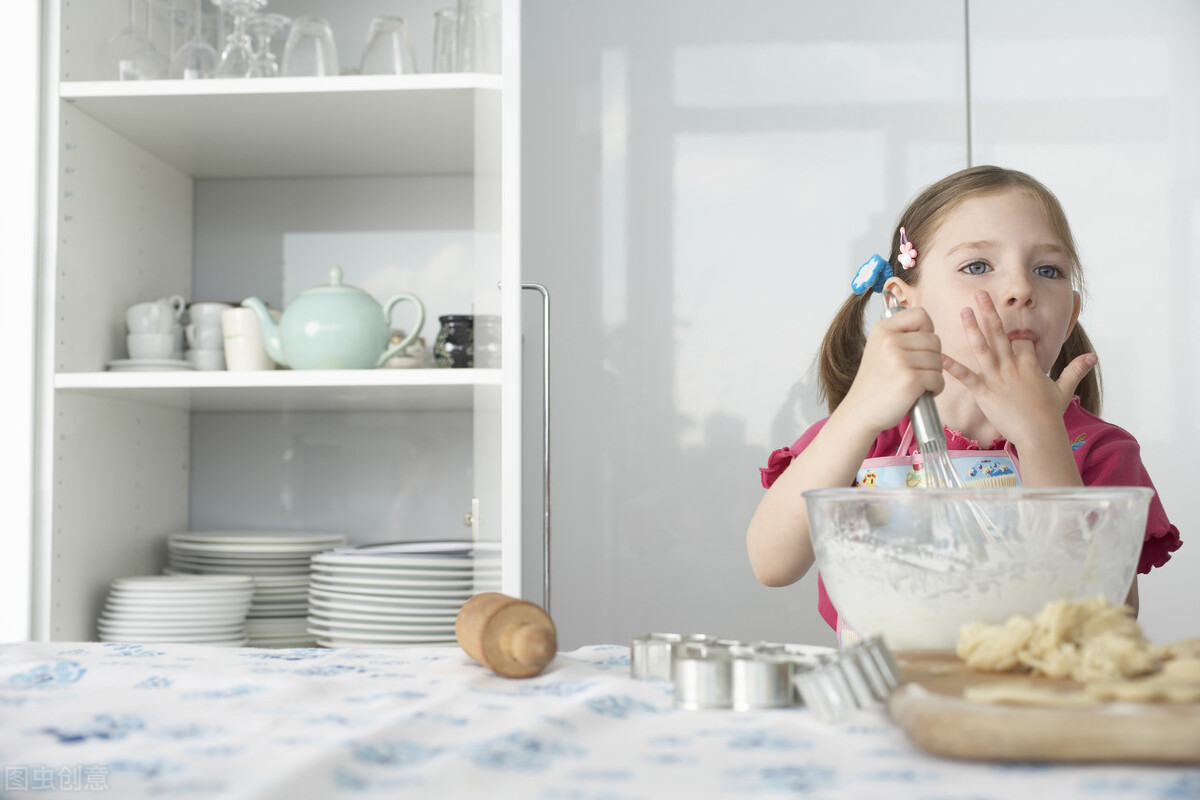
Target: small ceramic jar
<point>455,345</point>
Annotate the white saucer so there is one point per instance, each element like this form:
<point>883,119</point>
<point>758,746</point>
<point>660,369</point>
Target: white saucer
<point>149,365</point>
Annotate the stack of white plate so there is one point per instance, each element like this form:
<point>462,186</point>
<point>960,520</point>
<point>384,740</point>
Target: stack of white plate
<point>196,609</point>
<point>278,562</point>
<point>396,595</point>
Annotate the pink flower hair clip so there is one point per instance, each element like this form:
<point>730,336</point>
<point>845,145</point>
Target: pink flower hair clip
<point>908,253</point>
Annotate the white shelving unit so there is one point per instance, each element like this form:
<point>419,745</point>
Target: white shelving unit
<point>285,127</point>
<point>118,465</point>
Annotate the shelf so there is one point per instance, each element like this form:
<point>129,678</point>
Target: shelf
<point>289,390</point>
<point>354,125</point>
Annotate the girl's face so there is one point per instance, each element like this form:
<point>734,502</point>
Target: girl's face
<point>1003,244</point>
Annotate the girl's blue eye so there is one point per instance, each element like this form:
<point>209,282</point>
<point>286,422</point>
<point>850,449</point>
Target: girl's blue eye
<point>976,268</point>
<point>1048,271</point>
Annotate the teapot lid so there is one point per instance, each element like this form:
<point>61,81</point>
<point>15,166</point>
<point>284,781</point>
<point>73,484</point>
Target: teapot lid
<point>335,284</point>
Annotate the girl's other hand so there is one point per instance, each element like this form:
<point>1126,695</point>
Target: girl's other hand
<point>1010,387</point>
<point>901,361</point>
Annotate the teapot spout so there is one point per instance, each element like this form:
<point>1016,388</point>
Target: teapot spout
<point>270,330</point>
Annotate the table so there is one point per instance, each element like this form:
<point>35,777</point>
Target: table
<point>140,720</point>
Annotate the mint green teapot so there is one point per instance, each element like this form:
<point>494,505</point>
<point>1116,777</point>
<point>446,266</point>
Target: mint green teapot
<point>334,327</point>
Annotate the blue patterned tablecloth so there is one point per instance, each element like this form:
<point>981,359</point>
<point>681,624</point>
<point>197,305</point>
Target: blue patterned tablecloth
<point>133,721</point>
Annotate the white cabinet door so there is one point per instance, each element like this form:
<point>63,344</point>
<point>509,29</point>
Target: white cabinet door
<point>700,182</point>
<point>1101,102</point>
<point>20,61</point>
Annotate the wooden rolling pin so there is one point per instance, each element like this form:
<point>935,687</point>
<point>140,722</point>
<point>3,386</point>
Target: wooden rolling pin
<point>514,638</point>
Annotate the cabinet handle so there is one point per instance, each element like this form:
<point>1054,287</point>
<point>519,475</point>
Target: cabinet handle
<point>537,287</point>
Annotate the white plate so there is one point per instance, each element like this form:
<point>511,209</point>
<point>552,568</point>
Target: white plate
<point>463,546</point>
<point>391,590</point>
<point>220,632</point>
<point>293,582</point>
<point>121,605</point>
<point>386,607</point>
<point>275,627</point>
<point>308,538</point>
<point>276,609</point>
<point>378,638</point>
<point>181,613</point>
<point>168,583</point>
<point>257,550</point>
<point>227,640</point>
<point>175,568</point>
<point>367,623</point>
<point>255,615</point>
<point>430,562</point>
<point>336,643</point>
<point>391,601</point>
<point>462,589</point>
<point>148,365</point>
<point>271,592</point>
<point>252,545</point>
<point>398,570</point>
<point>180,597</point>
<point>301,561</point>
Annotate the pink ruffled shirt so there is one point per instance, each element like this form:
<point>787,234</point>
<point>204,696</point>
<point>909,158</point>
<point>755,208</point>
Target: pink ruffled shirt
<point>1105,454</point>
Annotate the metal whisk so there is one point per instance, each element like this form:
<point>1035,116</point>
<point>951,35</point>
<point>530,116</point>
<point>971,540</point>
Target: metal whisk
<point>930,437</point>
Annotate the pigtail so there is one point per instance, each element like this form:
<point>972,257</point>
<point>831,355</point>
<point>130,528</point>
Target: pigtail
<point>1089,389</point>
<point>842,349</point>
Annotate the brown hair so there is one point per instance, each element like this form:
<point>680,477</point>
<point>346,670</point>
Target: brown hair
<point>842,348</point>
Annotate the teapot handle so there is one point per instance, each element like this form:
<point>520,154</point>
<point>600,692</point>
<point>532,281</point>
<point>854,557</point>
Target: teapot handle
<point>413,334</point>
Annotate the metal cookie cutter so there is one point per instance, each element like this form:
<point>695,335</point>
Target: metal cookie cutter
<point>703,674</point>
<point>855,677</point>
<point>719,673</point>
<point>651,655</point>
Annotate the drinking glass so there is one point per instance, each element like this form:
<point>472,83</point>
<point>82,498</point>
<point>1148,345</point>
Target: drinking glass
<point>445,28</point>
<point>238,54</point>
<point>310,49</point>
<point>477,48</point>
<point>389,50</point>
<point>132,49</point>
<point>195,58</point>
<point>264,27</point>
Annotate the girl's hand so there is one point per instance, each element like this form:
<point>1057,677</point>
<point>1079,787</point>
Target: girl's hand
<point>901,361</point>
<point>1010,387</point>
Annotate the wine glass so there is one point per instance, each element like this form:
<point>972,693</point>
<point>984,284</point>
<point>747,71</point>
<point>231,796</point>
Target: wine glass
<point>195,58</point>
<point>238,54</point>
<point>263,27</point>
<point>132,49</point>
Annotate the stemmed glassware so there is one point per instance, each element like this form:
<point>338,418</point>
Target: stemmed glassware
<point>238,54</point>
<point>133,51</point>
<point>263,27</point>
<point>195,58</point>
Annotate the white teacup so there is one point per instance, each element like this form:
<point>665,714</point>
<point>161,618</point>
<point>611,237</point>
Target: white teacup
<point>204,336</point>
<point>244,348</point>
<point>150,345</point>
<point>207,313</point>
<point>206,359</point>
<point>157,316</point>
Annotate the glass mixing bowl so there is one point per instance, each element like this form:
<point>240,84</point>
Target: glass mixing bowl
<point>916,564</point>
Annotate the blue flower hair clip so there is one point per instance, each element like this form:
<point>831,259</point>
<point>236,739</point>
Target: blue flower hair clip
<point>871,275</point>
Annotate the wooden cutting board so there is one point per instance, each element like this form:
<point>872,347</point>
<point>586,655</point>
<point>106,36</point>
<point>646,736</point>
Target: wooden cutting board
<point>930,708</point>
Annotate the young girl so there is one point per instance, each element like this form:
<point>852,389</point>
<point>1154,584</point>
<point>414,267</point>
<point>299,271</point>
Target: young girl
<point>986,265</point>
